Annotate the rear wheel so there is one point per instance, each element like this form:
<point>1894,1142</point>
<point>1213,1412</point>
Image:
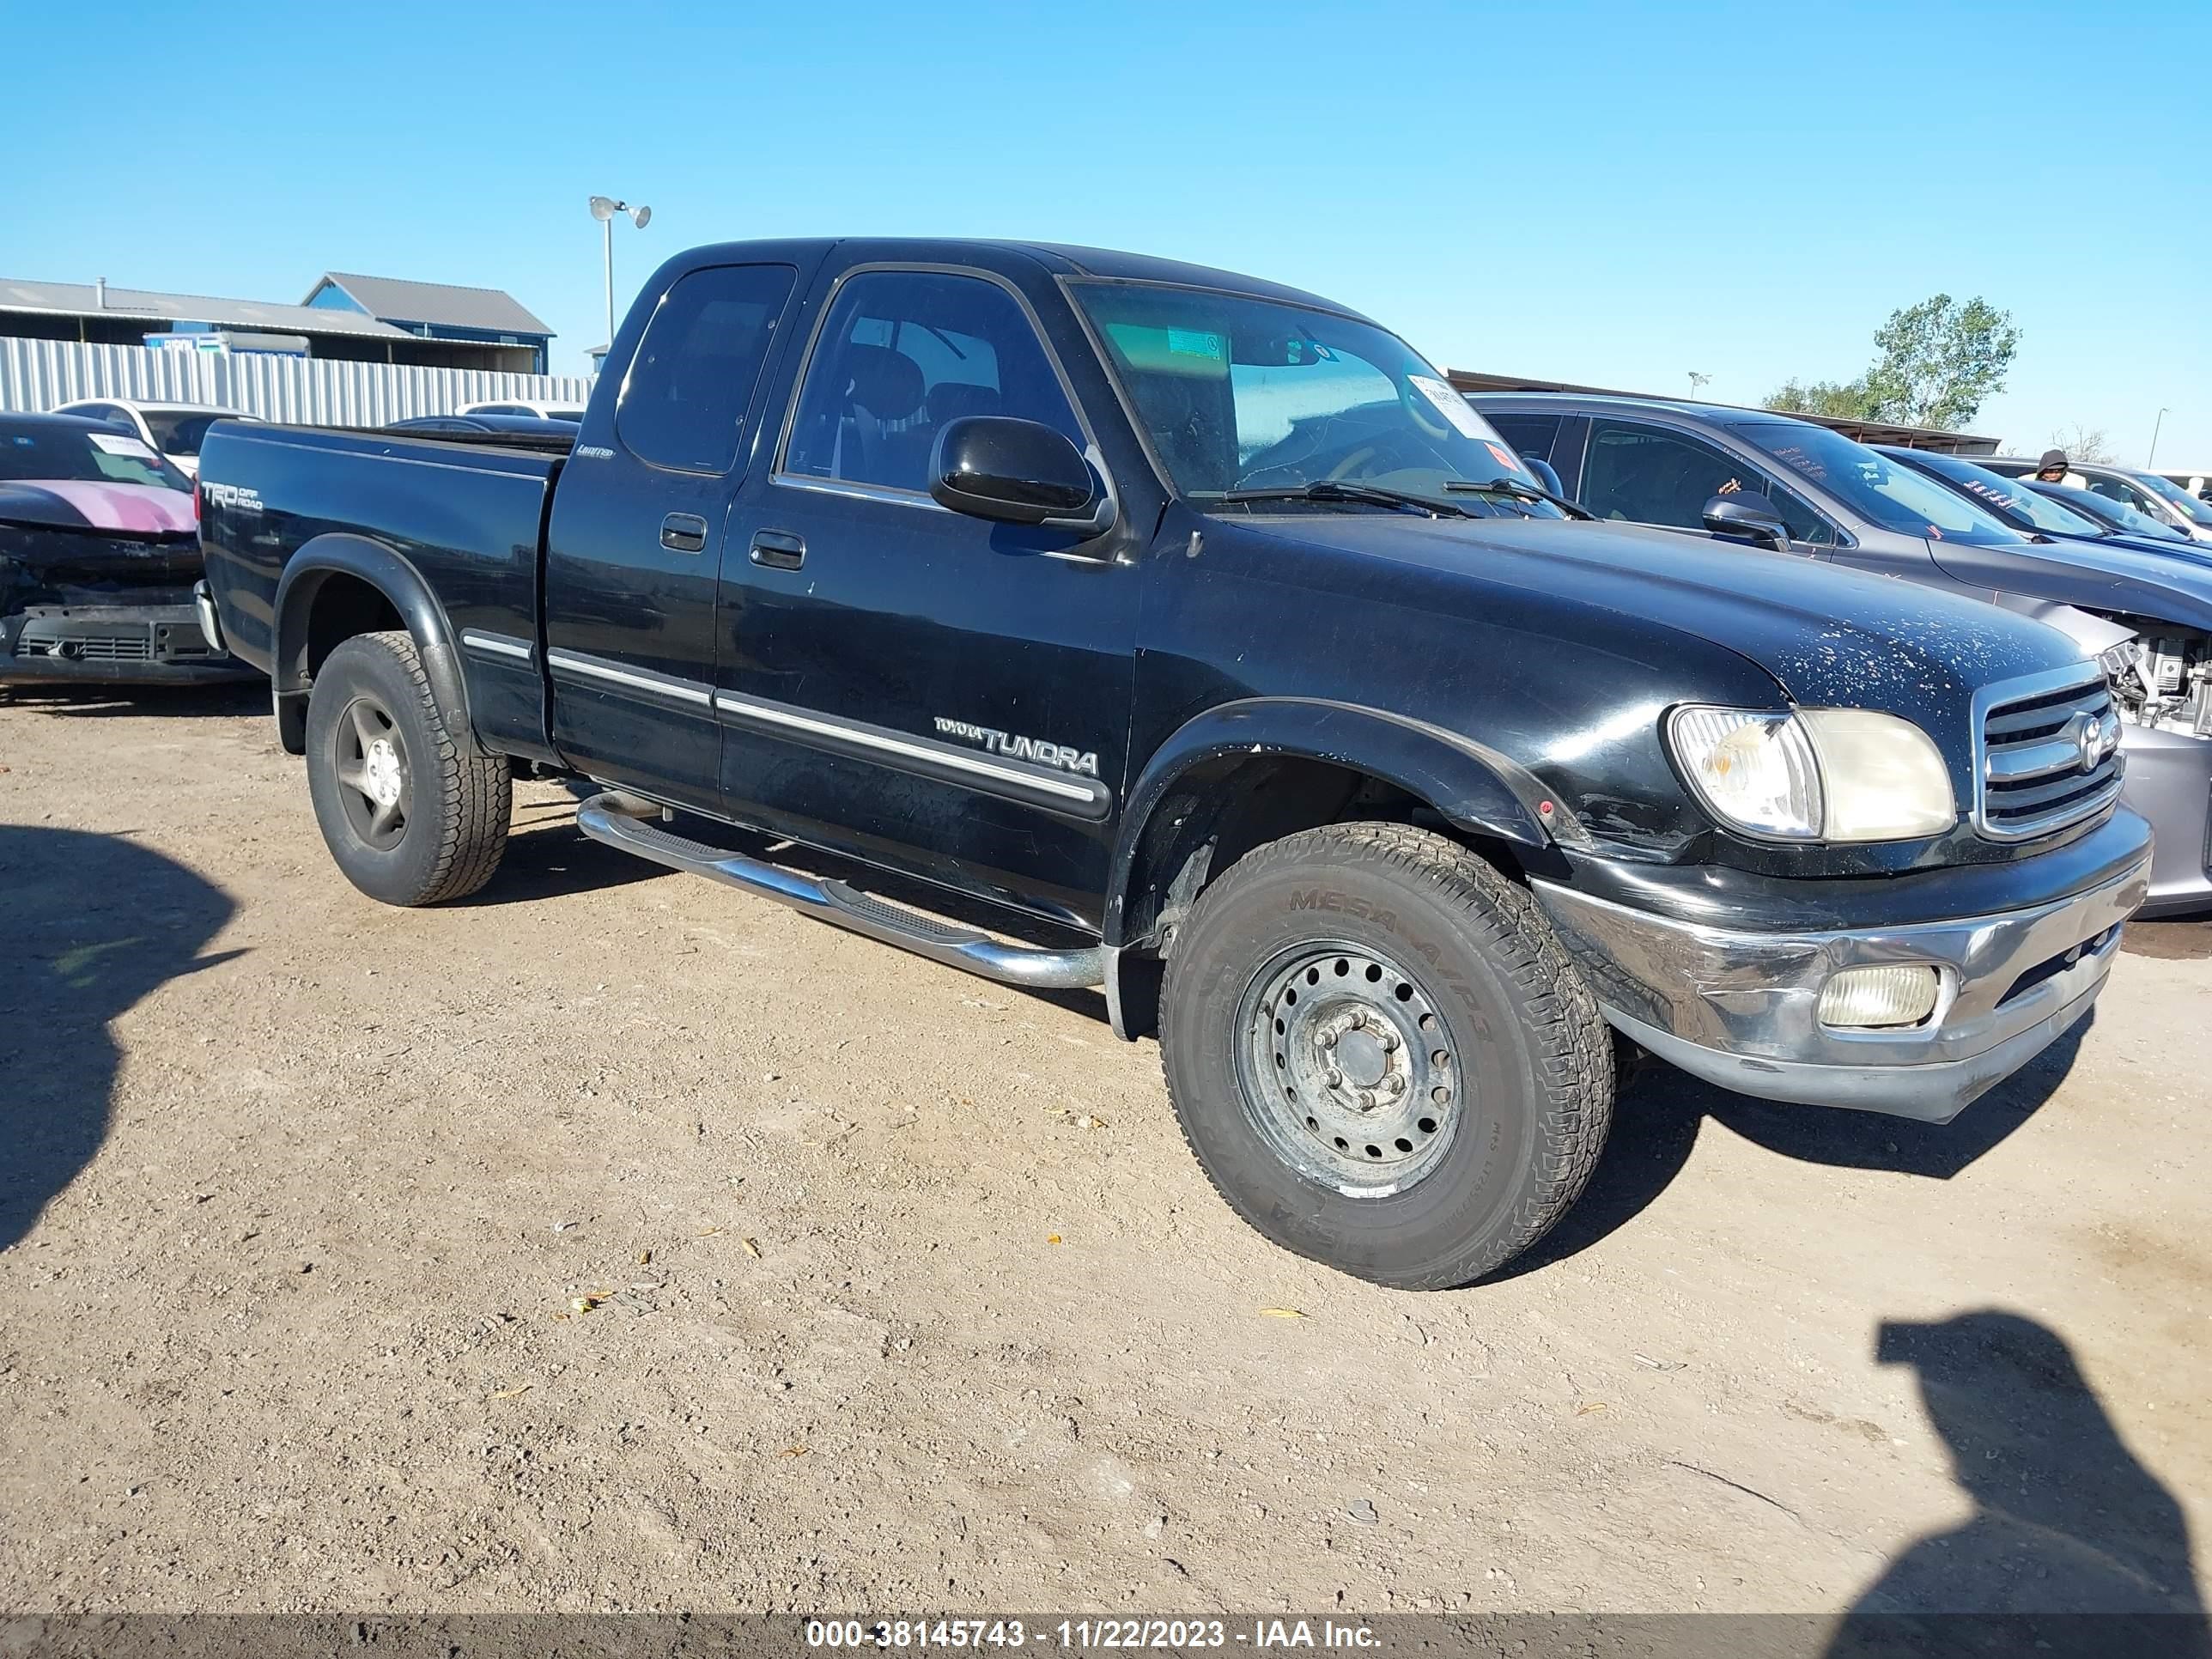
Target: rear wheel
<point>412,813</point>
<point>1382,1056</point>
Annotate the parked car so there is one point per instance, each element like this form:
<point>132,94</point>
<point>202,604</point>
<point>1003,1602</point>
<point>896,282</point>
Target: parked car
<point>175,429</point>
<point>2115,515</point>
<point>99,551</point>
<point>530,430</point>
<point>2147,493</point>
<point>1193,629</point>
<point>543,411</point>
<point>2044,510</point>
<point>1796,487</point>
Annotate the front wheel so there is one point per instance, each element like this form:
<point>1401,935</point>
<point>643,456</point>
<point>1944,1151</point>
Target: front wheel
<point>1382,1056</point>
<point>412,813</point>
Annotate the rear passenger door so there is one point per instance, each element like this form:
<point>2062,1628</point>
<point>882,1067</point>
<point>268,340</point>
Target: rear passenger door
<point>634,545</point>
<point>931,691</point>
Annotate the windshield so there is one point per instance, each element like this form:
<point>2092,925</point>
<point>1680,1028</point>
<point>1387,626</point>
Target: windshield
<point>1244,394</point>
<point>1878,489</point>
<point>178,431</point>
<point>565,414</point>
<point>70,454</point>
<point>2008,498</point>
<point>2175,496</point>
<point>2117,513</point>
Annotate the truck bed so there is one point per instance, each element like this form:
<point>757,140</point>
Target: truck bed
<point>465,519</point>
<point>467,515</point>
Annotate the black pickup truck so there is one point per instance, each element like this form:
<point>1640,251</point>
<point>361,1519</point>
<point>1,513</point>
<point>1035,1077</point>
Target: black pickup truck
<point>1196,628</point>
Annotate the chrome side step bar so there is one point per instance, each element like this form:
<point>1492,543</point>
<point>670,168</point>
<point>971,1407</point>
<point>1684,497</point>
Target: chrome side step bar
<point>620,820</point>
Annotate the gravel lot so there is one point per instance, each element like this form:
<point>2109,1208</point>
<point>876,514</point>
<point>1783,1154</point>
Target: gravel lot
<point>614,1241</point>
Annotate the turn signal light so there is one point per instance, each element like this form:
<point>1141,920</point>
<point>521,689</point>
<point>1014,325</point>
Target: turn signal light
<point>1870,998</point>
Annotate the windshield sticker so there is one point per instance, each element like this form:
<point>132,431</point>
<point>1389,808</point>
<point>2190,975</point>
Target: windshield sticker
<point>1453,408</point>
<point>1498,454</point>
<point>112,445</point>
<point>1191,343</point>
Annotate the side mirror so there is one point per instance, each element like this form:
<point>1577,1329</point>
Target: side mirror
<point>1745,513</point>
<point>1546,474</point>
<point>1013,471</point>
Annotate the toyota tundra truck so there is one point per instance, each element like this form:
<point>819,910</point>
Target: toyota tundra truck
<point>1197,635</point>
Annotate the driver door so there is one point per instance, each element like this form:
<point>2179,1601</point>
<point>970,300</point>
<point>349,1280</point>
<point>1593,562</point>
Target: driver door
<point>931,692</point>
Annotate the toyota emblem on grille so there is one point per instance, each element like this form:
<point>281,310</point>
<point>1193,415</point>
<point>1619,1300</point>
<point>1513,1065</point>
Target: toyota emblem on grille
<point>2088,734</point>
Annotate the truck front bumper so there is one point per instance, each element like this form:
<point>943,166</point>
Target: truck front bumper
<point>111,644</point>
<point>1742,1008</point>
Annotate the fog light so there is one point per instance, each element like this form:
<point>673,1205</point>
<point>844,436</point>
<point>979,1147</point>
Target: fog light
<point>1900,995</point>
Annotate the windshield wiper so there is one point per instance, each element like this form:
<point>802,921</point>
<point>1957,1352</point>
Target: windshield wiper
<point>1340,489</point>
<point>1515,487</point>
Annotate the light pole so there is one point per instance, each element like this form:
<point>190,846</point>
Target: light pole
<point>2152,460</point>
<point>604,209</point>
<point>1697,382</point>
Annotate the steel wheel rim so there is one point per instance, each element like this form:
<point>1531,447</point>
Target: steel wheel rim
<point>375,782</point>
<point>1347,1069</point>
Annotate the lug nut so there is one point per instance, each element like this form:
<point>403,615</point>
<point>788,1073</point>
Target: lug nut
<point>1394,1084</point>
<point>1328,1039</point>
<point>1367,1100</point>
<point>1389,1041</point>
<point>1335,1079</point>
<point>1358,1018</point>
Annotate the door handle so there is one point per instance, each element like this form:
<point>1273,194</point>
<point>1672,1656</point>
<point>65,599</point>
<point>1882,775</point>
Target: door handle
<point>684,533</point>
<point>779,550</point>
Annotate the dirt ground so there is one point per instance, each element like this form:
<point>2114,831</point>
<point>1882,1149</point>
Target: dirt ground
<point>908,1295</point>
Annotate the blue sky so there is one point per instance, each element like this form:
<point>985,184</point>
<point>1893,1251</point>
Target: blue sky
<point>1610,193</point>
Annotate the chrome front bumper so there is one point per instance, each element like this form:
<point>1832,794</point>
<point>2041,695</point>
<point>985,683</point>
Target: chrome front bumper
<point>1742,1009</point>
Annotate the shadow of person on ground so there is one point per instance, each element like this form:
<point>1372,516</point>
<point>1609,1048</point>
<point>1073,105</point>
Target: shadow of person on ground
<point>2074,1546</point>
<point>1658,1116</point>
<point>94,923</point>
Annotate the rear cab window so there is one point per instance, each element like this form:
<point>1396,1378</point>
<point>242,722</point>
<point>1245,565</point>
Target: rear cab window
<point>685,396</point>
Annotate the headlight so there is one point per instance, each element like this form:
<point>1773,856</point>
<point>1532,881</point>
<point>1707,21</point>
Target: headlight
<point>1754,771</point>
<point>1838,775</point>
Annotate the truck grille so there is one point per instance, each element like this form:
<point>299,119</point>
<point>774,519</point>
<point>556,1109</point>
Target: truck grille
<point>2048,753</point>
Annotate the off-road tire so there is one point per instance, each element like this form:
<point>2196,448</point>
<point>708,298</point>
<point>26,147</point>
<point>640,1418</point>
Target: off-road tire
<point>460,799</point>
<point>1536,1055</point>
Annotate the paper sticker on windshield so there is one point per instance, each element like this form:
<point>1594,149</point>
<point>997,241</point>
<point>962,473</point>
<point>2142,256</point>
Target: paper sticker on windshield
<point>1500,454</point>
<point>113,444</point>
<point>1192,343</point>
<point>1450,405</point>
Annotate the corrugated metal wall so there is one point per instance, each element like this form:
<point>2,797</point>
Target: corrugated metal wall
<point>37,374</point>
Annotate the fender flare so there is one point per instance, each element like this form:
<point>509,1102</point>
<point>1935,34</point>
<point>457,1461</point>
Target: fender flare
<point>388,571</point>
<point>1471,784</point>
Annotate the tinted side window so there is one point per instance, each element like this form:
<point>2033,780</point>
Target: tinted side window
<point>1648,476</point>
<point>1805,525</point>
<point>2119,490</point>
<point>1529,434</point>
<point>904,352</point>
<point>692,378</point>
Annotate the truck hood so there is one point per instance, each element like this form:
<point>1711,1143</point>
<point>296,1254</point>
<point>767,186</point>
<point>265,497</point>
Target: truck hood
<point>2094,575</point>
<point>1830,637</point>
<point>84,504</point>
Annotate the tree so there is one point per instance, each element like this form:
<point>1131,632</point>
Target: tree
<point>2085,443</point>
<point>1938,362</point>
<point>1846,400</point>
